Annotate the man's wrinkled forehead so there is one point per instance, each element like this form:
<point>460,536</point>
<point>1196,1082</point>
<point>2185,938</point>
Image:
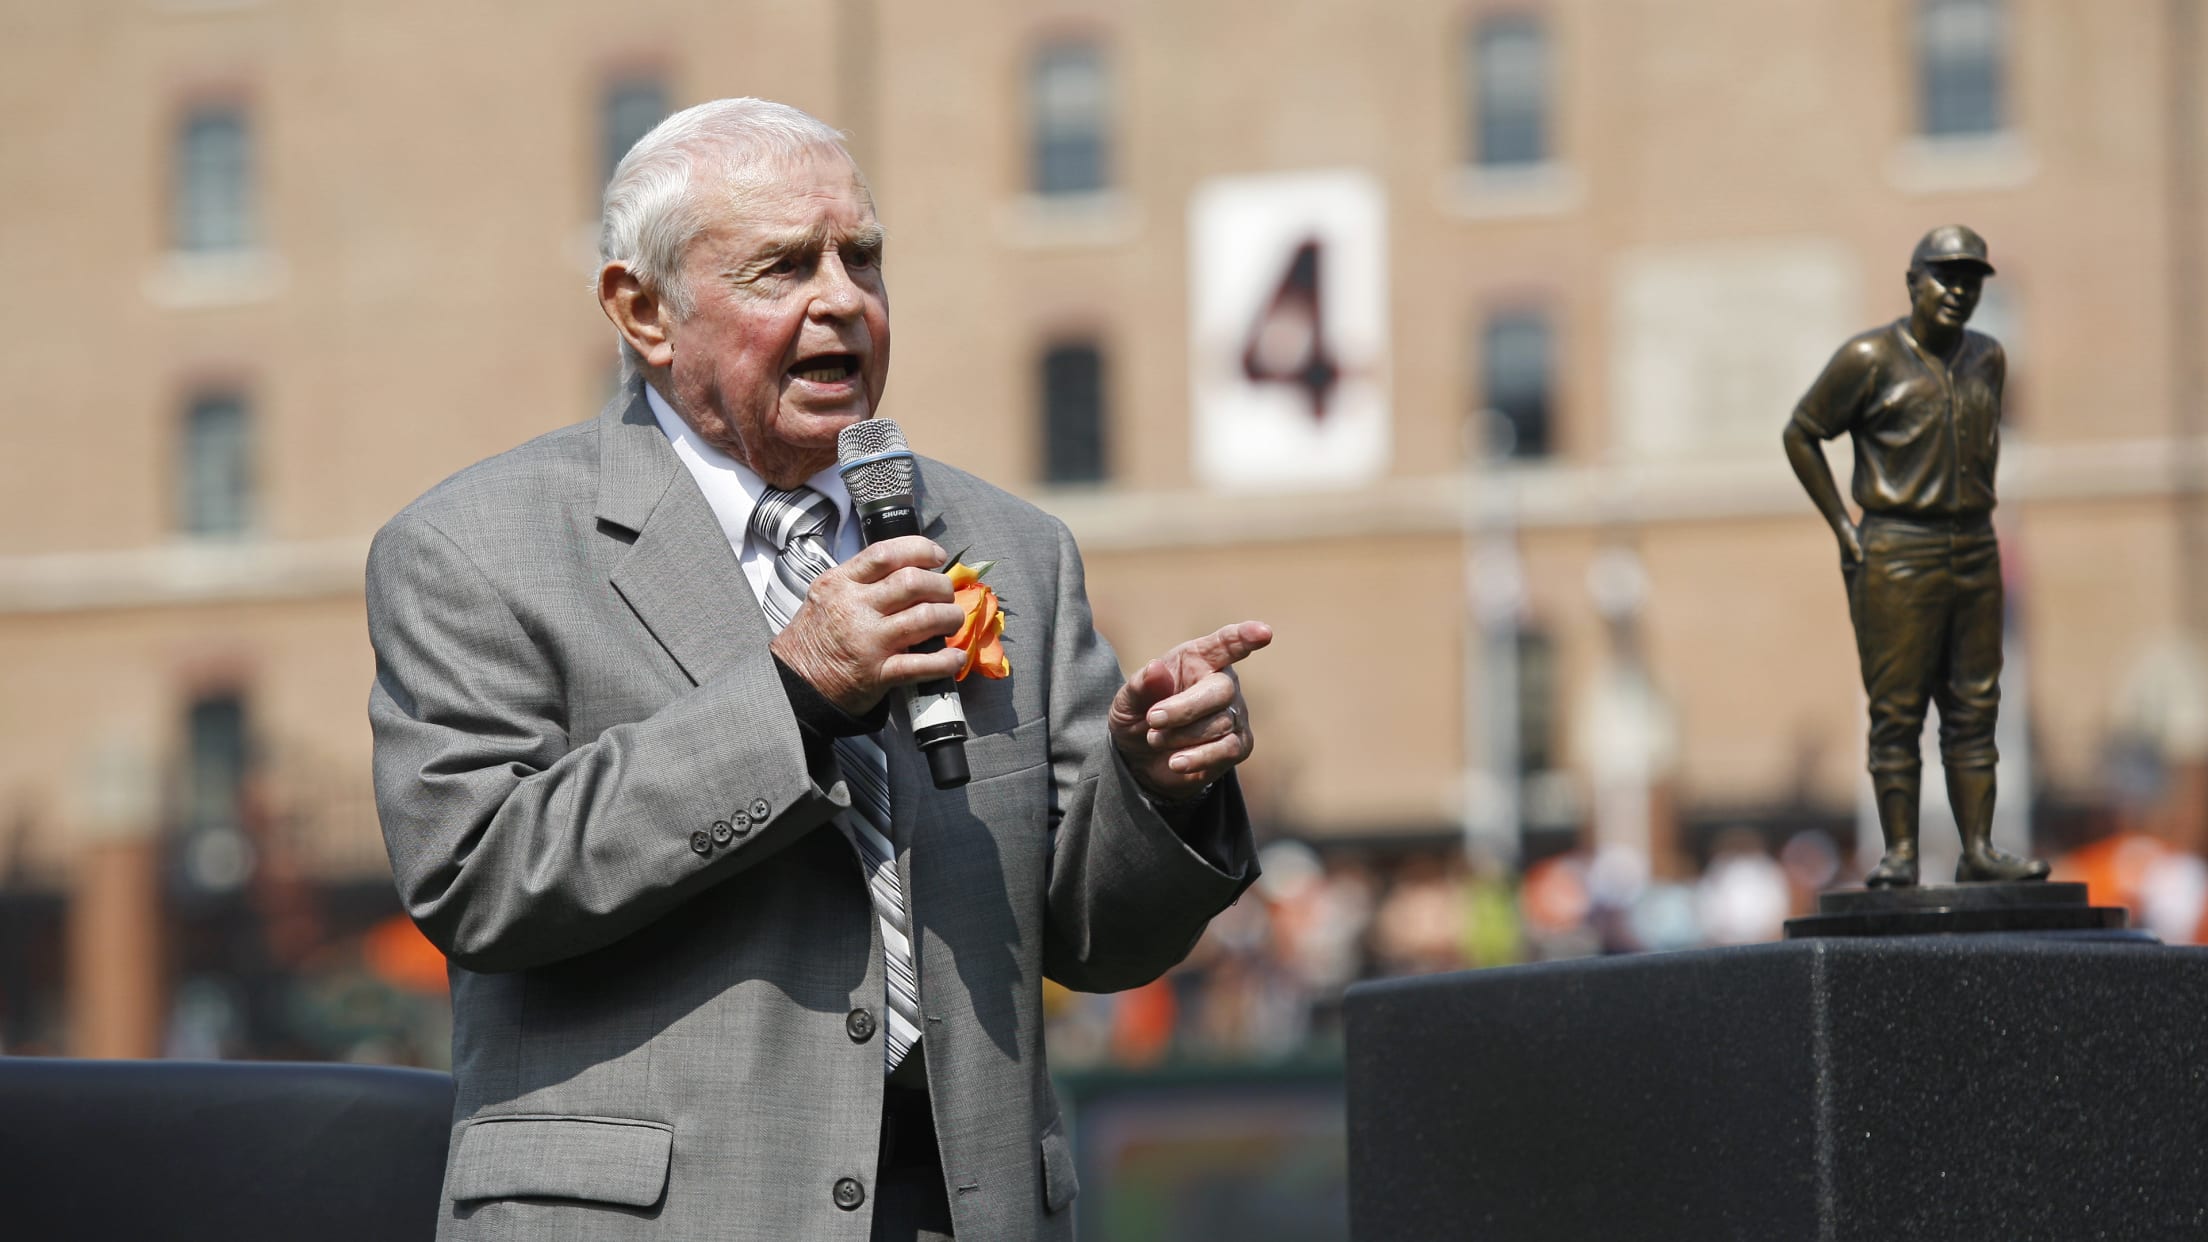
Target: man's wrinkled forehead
<point>750,176</point>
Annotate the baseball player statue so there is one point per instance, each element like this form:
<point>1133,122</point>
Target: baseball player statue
<point>1921,398</point>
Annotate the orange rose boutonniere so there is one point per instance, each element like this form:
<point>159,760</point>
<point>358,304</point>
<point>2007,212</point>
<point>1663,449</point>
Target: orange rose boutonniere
<point>981,636</point>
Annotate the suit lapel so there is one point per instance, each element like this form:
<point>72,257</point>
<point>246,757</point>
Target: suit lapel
<point>679,576</point>
<point>932,521</point>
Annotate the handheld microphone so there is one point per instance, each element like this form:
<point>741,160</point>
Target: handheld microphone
<point>876,465</point>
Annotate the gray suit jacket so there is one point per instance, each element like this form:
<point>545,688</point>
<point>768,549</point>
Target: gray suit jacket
<point>598,803</point>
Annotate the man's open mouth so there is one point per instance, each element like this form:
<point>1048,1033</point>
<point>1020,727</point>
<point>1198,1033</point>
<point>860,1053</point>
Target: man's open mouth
<point>826,368</point>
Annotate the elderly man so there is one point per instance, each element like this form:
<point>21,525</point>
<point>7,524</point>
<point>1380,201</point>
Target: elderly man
<point>1922,399</point>
<point>726,964</point>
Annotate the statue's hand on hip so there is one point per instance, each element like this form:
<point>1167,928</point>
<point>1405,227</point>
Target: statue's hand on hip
<point>1851,546</point>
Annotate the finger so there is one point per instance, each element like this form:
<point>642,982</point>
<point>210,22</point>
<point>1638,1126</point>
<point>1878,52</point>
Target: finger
<point>1145,686</point>
<point>1210,728</point>
<point>1227,645</point>
<point>1211,693</point>
<point>909,667</point>
<point>877,561</point>
<point>1212,759</point>
<point>920,622</point>
<point>909,585</point>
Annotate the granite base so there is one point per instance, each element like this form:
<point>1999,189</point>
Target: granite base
<point>1844,1090</point>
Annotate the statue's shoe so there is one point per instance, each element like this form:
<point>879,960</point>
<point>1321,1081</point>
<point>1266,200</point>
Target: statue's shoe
<point>1999,866</point>
<point>1897,870</point>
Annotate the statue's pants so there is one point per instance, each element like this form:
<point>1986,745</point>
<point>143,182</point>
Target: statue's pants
<point>1926,603</point>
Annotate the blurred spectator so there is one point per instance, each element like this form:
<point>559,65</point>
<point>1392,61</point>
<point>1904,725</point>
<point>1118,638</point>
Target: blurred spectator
<point>2165,888</point>
<point>1080,1025</point>
<point>1812,864</point>
<point>2173,896</point>
<point>1616,880</point>
<point>1247,1003</point>
<point>1558,909</point>
<point>399,954</point>
<point>1743,897</point>
<point>1321,917</point>
<point>1492,934</point>
<point>1419,927</point>
<point>1666,917</point>
<point>1143,1024</point>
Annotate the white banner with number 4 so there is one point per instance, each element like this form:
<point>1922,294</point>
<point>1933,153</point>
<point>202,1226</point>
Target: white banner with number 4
<point>1288,322</point>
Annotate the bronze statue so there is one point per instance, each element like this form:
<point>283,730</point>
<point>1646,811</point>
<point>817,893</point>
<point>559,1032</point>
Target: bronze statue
<point>1921,398</point>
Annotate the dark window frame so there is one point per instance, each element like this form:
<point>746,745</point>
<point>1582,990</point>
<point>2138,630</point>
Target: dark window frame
<point>1527,406</point>
<point>623,100</point>
<point>213,206</point>
<point>1074,412</point>
<point>1510,127</point>
<point>216,478</point>
<point>1069,147</point>
<point>1539,710</point>
<point>1962,74</point>
<point>217,758</point>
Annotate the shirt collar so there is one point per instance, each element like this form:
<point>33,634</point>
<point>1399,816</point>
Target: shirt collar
<point>731,488</point>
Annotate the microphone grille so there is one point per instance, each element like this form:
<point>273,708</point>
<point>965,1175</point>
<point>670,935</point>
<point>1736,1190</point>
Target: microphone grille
<point>880,479</point>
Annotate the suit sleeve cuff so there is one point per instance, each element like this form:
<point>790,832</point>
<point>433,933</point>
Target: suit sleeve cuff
<point>1202,823</point>
<point>820,718</point>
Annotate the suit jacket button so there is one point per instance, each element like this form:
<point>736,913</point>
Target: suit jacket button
<point>760,810</point>
<point>741,823</point>
<point>723,832</point>
<point>700,843</point>
<point>859,1025</point>
<point>849,1194</point>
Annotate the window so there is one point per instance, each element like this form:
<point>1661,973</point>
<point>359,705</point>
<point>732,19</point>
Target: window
<point>1509,82</point>
<point>1070,108</point>
<point>1537,724</point>
<point>1959,58</point>
<point>215,483</point>
<point>214,852</point>
<point>214,764</point>
<point>1515,349</point>
<point>1073,413</point>
<point>213,207</point>
<point>630,110</point>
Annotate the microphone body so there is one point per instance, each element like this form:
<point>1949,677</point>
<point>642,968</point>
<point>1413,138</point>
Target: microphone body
<point>877,468</point>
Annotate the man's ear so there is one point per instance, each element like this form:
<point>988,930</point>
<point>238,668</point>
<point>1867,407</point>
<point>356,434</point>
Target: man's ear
<point>639,315</point>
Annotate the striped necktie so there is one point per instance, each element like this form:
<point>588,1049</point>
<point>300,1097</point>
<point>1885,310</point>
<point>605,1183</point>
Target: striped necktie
<point>797,525</point>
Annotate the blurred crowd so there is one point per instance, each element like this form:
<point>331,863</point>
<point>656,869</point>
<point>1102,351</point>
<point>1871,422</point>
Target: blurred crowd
<point>1266,982</point>
<point>357,982</point>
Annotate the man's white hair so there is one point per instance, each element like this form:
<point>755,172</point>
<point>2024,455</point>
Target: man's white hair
<point>694,166</point>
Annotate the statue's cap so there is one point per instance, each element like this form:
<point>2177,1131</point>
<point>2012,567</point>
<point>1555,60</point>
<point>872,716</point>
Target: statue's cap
<point>1952,243</point>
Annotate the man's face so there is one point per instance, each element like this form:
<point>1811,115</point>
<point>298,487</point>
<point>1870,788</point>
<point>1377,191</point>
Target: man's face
<point>787,339</point>
<point>1945,293</point>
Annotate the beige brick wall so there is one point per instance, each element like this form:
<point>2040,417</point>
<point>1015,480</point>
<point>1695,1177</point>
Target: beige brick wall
<point>426,176</point>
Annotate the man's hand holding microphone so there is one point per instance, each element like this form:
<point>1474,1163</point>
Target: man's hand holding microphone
<point>853,637</point>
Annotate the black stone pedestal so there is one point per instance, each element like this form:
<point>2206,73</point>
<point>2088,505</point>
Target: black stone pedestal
<point>1995,1087</point>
